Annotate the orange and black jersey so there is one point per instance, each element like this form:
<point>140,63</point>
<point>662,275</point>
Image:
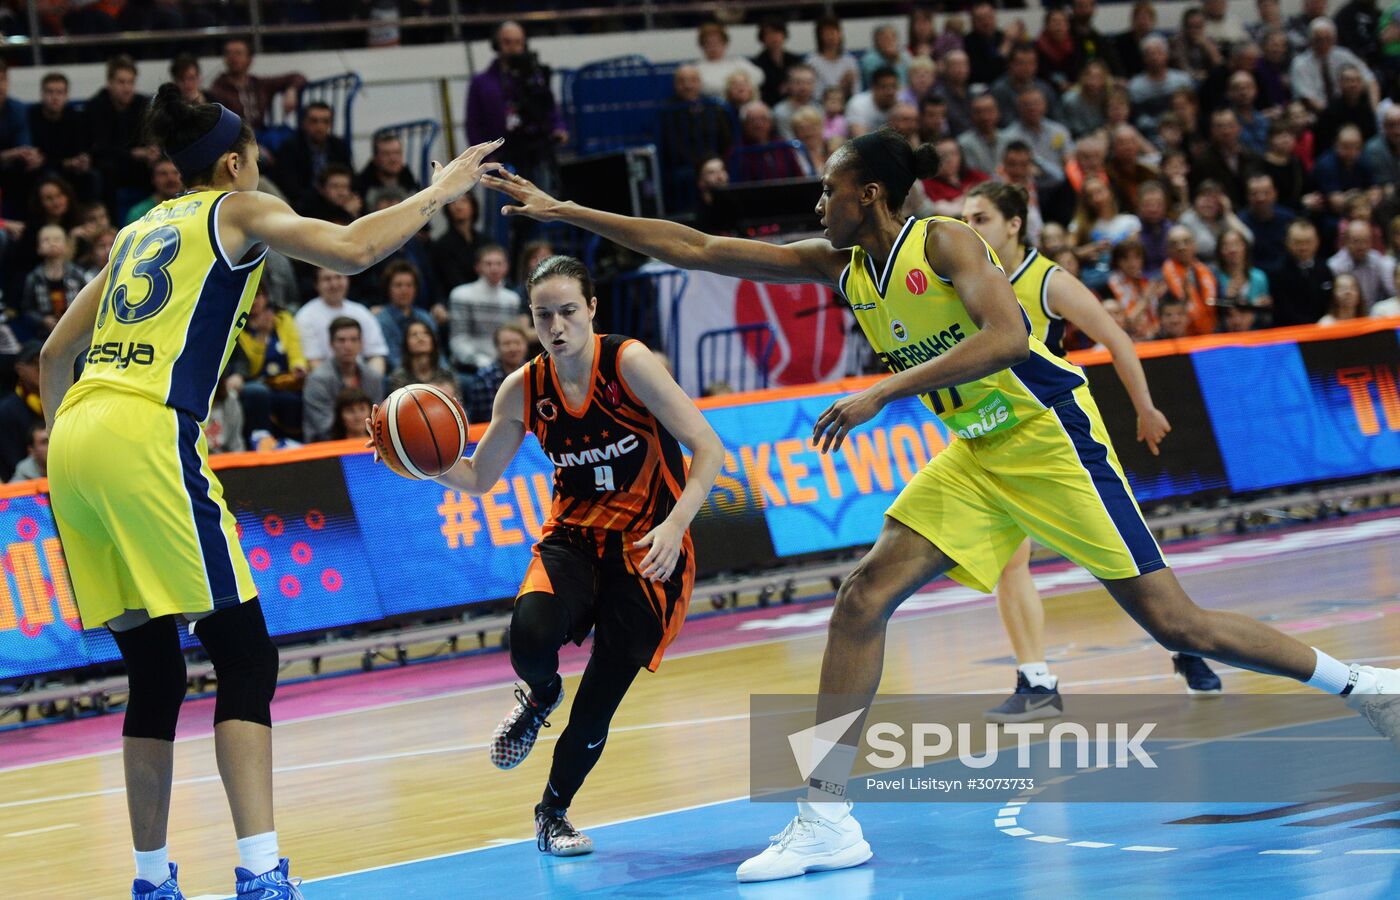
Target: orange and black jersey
<point>615,467</point>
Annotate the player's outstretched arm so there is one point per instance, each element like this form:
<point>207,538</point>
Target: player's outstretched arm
<point>250,217</point>
<point>677,413</point>
<point>478,473</point>
<point>1071,300</point>
<point>69,338</point>
<point>812,261</point>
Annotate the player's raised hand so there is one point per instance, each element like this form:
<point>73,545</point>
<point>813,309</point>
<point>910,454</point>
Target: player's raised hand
<point>462,174</point>
<point>665,541</point>
<point>840,417</point>
<point>1152,427</point>
<point>369,430</point>
<point>529,200</point>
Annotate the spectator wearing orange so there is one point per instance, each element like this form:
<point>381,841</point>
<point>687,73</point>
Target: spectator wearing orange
<point>1190,281</point>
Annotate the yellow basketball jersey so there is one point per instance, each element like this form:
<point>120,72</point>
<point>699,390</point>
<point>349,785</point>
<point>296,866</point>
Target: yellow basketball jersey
<point>911,314</point>
<point>172,308</point>
<point>1031,282</point>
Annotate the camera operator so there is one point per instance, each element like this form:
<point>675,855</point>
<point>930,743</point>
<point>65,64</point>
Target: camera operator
<point>513,98</point>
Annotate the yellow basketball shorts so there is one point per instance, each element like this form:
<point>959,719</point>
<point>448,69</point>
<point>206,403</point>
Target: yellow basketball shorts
<point>1054,477</point>
<point>140,514</point>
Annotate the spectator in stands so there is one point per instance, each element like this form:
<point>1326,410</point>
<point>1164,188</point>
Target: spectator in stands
<point>453,252</point>
<point>166,184</point>
<point>1317,74</point>
<point>114,115</point>
<point>774,61</point>
<point>51,202</point>
<point>987,46</point>
<point>1221,27</point>
<point>756,124</point>
<point>1021,77</point>
<point>933,120</point>
<point>531,254</point>
<point>1190,281</point>
<point>692,129</point>
<point>1391,305</point>
<point>400,282</point>
<point>20,410</point>
<point>1254,126</point>
<point>511,344</point>
<point>97,254</point>
<point>1136,293</point>
<point>420,360</point>
<point>1192,49</point>
<point>60,133</point>
<point>304,155</point>
<point>1341,174</point>
<point>1128,45</point>
<point>718,212</point>
<point>739,90</point>
<point>273,367</point>
<point>1097,227</point>
<point>954,88</point>
<point>944,192</point>
<point>884,53</point>
<point>981,144</point>
<point>715,64</point>
<point>1226,160</point>
<point>951,39</point>
<point>1302,288</point>
<point>1382,152</point>
<point>1211,215</point>
<point>1284,168</point>
<point>36,463</point>
<point>835,67</point>
<point>352,408</point>
<point>1174,318</point>
<point>343,370</point>
<point>835,128</point>
<point>807,131</point>
<point>1372,270</point>
<point>184,72</point>
<point>1267,221</point>
<point>801,94</point>
<point>870,109</point>
<point>386,167</point>
<point>1085,104</point>
<point>53,286</point>
<point>904,120</point>
<point>18,156</point>
<point>919,78</point>
<point>1271,71</point>
<point>335,199</point>
<point>1057,53</point>
<point>921,33</point>
<point>513,99</point>
<point>479,308</point>
<point>1152,214</point>
<point>1358,29</point>
<point>1241,284</point>
<point>223,430</point>
<point>1089,159</point>
<point>315,317</point>
<point>1017,167</point>
<point>1050,142</point>
<point>1240,316</point>
<point>1269,18</point>
<point>1089,42</point>
<point>249,95</point>
<point>1152,88</point>
<point>1352,106</point>
<point>1346,301</point>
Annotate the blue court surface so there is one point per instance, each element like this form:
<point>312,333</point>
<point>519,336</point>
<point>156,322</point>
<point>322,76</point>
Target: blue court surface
<point>1344,843</point>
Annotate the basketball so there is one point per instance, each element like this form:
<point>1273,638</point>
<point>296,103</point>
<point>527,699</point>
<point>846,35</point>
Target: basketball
<point>419,431</point>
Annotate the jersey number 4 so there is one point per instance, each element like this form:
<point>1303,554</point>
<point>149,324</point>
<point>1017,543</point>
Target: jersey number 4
<point>149,263</point>
<point>603,478</point>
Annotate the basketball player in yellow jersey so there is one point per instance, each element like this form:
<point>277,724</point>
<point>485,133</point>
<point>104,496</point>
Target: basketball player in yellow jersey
<point>144,527</point>
<point>1050,297</point>
<point>1033,458</point>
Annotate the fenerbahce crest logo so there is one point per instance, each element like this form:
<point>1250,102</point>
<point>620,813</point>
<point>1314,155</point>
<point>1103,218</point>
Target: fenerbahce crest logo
<point>900,333</point>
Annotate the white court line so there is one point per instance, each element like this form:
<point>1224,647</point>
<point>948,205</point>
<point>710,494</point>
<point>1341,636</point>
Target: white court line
<point>17,834</point>
<point>1017,832</point>
<point>1372,852</point>
<point>1006,822</point>
<point>1009,811</point>
<point>1142,848</point>
<point>1097,845</point>
<point>1049,839</point>
<point>1289,852</point>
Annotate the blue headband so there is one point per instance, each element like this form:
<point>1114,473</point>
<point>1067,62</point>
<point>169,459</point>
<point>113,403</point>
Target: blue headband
<point>203,153</point>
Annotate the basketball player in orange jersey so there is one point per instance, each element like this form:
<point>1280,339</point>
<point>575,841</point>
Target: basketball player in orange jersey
<point>615,556</point>
<point>1033,457</point>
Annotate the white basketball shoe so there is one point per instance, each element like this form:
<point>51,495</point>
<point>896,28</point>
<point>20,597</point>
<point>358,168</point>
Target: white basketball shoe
<point>810,843</point>
<point>1376,695</point>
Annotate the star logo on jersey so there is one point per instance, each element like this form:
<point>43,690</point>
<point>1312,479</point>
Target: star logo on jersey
<point>900,333</point>
<point>612,393</point>
<point>917,282</point>
<point>546,409</point>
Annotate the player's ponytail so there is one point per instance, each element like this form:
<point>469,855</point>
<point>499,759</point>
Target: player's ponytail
<point>885,157</point>
<point>194,136</point>
<point>926,161</point>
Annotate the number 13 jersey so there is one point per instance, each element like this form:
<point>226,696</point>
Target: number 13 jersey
<point>171,309</point>
<point>615,467</point>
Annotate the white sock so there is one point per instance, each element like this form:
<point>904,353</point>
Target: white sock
<point>1329,674</point>
<point>832,812</point>
<point>258,853</point>
<point>153,865</point>
<point>1038,674</point>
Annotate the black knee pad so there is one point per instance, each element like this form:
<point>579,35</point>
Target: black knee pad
<point>155,674</point>
<point>245,662</point>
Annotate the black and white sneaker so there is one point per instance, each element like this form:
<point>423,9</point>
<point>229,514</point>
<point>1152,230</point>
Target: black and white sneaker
<point>1028,703</point>
<point>555,834</point>
<point>1200,679</point>
<point>516,734</point>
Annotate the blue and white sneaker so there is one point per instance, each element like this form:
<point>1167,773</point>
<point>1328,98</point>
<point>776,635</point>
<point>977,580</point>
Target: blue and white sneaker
<point>1028,703</point>
<point>1200,679</point>
<point>273,885</point>
<point>141,889</point>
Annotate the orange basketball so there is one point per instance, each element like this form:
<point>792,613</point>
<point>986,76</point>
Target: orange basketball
<point>419,431</point>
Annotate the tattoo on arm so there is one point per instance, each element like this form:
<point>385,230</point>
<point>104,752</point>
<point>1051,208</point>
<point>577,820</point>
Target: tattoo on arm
<point>427,209</point>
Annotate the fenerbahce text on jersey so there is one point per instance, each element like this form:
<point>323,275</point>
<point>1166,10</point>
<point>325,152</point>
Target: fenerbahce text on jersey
<point>171,310</point>
<point>912,314</point>
<point>615,467</point>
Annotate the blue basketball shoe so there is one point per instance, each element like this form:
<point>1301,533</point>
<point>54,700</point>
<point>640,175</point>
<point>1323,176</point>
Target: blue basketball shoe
<point>1030,702</point>
<point>1200,679</point>
<point>141,889</point>
<point>273,885</point>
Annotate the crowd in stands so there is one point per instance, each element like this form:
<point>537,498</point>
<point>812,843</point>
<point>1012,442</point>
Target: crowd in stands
<point>1201,176</point>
